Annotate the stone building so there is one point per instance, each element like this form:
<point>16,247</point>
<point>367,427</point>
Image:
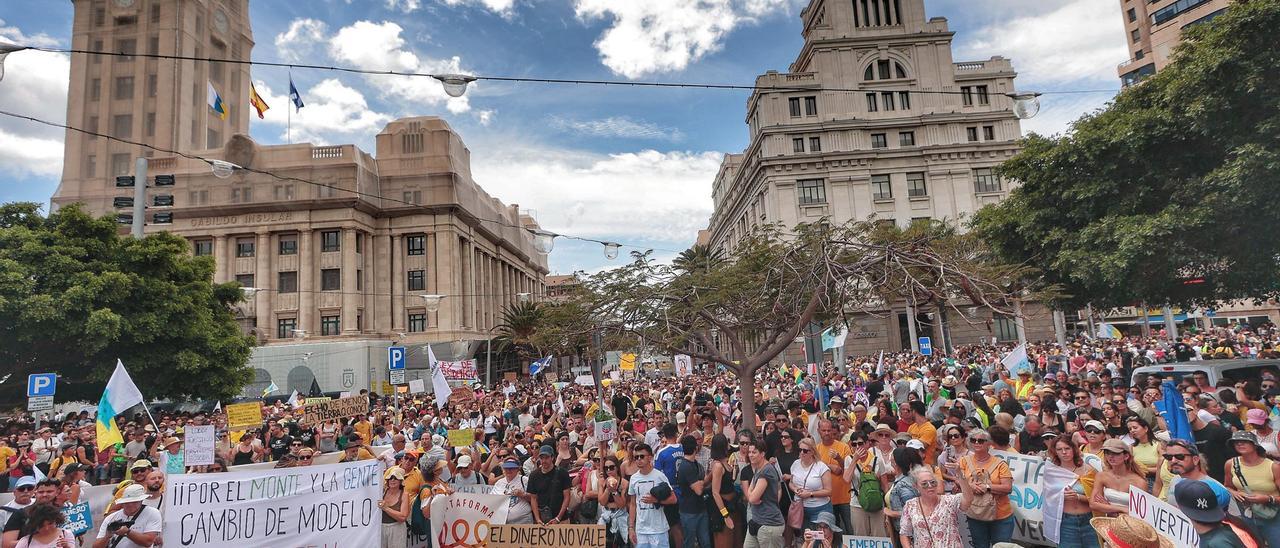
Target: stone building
<point>875,119</point>
<point>1153,28</point>
<point>340,245</point>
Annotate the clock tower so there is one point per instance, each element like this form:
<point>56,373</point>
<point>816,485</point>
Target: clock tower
<point>162,102</point>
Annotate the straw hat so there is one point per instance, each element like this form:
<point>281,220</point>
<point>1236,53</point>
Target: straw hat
<point>1126,530</point>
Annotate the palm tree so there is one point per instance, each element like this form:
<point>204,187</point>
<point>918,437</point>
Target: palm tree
<point>700,257</point>
<point>520,321</point>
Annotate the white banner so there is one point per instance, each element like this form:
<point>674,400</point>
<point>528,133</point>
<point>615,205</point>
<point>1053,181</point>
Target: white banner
<point>198,444</point>
<point>417,386</point>
<point>1168,520</point>
<point>323,505</point>
<point>463,520</point>
<point>1027,496</point>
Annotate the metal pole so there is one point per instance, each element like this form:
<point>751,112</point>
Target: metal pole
<point>911,328</point>
<point>1060,327</point>
<point>488,362</point>
<point>1093,330</point>
<point>139,196</point>
<point>1146,321</point>
<point>1019,322</point>
<point>1170,327</point>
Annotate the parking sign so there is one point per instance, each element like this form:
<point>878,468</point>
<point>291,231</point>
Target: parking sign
<point>395,358</point>
<point>41,384</point>
<point>926,346</point>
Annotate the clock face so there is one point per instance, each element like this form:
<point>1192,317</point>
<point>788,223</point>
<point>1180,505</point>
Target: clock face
<point>220,20</point>
<point>124,3</point>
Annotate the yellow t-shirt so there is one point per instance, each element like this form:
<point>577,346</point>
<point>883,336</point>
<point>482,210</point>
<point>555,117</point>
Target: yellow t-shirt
<point>831,455</point>
<point>996,469</point>
<point>6,453</point>
<point>928,435</point>
<point>365,428</point>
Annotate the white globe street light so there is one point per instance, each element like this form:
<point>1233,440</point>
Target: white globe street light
<point>249,292</point>
<point>454,84</point>
<point>5,49</point>
<point>543,241</point>
<point>222,169</point>
<point>1025,104</point>
<point>523,297</point>
<point>611,250</point>
<point>432,302</point>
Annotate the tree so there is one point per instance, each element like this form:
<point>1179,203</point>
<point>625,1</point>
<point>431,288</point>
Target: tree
<point>1168,195</point>
<point>742,313</point>
<point>698,257</point>
<point>75,296</point>
<point>520,322</point>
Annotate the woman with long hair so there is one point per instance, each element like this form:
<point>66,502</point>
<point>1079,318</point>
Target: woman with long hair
<point>1146,449</point>
<point>956,448</point>
<point>1119,473</point>
<point>613,500</point>
<point>1254,481</point>
<point>1113,419</point>
<point>1050,417</point>
<point>885,414</point>
<point>903,489</point>
<point>395,505</point>
<point>724,494</point>
<point>1075,530</point>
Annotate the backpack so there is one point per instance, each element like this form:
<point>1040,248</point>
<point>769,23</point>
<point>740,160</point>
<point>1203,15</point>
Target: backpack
<point>418,523</point>
<point>870,496</point>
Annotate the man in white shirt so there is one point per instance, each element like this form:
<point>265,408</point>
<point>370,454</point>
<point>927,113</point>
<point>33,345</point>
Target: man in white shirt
<point>45,447</point>
<point>515,485</point>
<point>138,525</point>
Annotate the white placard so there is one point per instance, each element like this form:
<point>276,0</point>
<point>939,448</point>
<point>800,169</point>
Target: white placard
<point>322,505</point>
<point>463,519</point>
<point>417,386</point>
<point>851,541</point>
<point>198,443</point>
<point>684,365</point>
<point>1167,519</point>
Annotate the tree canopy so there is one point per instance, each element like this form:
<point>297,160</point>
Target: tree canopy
<point>1168,195</point>
<point>75,296</point>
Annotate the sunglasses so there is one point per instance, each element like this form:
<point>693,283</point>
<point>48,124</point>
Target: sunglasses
<point>900,442</point>
<point>296,444</point>
<point>1115,453</point>
<point>929,484</point>
<point>1092,431</point>
<point>857,443</point>
<point>25,488</point>
<point>979,440</point>
<point>1179,456</point>
<point>805,450</point>
<point>954,437</point>
<point>781,437</point>
<point>611,467</point>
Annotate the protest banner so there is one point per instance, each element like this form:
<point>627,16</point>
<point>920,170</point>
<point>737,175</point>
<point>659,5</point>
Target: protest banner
<point>321,505</point>
<point>464,370</point>
<point>1027,496</point>
<point>244,415</point>
<point>315,413</point>
<point>462,394</point>
<point>462,437</point>
<point>1167,519</point>
<point>606,430</point>
<point>320,399</point>
<point>198,444</point>
<point>628,362</point>
<point>566,536</point>
<point>79,518</point>
<point>463,520</point>
<point>851,541</point>
<point>511,376</point>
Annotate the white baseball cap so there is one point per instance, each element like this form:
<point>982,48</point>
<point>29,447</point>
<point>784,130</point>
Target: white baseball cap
<point>133,493</point>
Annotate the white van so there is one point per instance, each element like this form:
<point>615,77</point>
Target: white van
<point>1233,370</point>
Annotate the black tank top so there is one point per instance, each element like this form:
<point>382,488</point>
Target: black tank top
<point>1031,444</point>
<point>241,457</point>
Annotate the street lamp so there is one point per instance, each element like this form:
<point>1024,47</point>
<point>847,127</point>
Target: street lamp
<point>432,302</point>
<point>1025,104</point>
<point>222,169</point>
<point>611,250</point>
<point>523,297</point>
<point>5,49</point>
<point>454,84</point>
<point>543,241</point>
<point>249,292</point>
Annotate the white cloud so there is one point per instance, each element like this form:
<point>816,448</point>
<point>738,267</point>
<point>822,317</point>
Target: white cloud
<point>298,42</point>
<point>649,195</point>
<point>35,84</point>
<point>653,36</point>
<point>379,46</point>
<point>500,7</point>
<point>330,107</point>
<point>1083,39</point>
<point>14,35</point>
<point>26,155</point>
<point>618,126</point>
<point>406,6</point>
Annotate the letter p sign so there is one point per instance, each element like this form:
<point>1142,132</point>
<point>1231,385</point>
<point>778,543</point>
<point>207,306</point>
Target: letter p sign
<point>41,384</point>
<point>395,358</point>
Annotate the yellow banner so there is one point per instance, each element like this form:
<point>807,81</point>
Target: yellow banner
<point>628,362</point>
<point>244,415</point>
<point>462,438</point>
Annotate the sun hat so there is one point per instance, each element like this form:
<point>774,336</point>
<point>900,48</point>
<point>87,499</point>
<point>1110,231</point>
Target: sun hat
<point>1095,424</point>
<point>827,518</point>
<point>394,473</point>
<point>882,427</point>
<point>464,461</point>
<point>171,441</point>
<point>133,493</point>
<point>916,444</point>
<point>25,481</point>
<point>141,463</point>
<point>1197,500</point>
<point>1126,530</point>
<point>1256,416</point>
<point>1114,444</point>
<point>1245,435</point>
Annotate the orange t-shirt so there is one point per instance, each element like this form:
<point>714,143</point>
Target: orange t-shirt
<point>831,455</point>
<point>928,435</point>
<point>995,470</point>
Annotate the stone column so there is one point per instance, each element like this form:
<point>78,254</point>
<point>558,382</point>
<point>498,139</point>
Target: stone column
<point>396,265</point>
<point>220,257</point>
<point>307,282</point>
<point>350,295</point>
<point>445,262</point>
<point>263,257</point>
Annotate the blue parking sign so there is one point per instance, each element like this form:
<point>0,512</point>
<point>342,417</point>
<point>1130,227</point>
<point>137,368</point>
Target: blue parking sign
<point>395,358</point>
<point>926,346</point>
<point>41,384</point>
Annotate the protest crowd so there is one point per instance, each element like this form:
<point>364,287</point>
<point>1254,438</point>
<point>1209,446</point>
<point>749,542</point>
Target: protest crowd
<point>899,445</point>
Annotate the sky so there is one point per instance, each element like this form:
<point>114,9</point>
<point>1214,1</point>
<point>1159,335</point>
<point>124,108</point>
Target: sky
<point>630,165</point>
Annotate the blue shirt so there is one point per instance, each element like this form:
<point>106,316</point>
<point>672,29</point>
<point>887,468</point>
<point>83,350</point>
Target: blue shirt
<point>665,460</point>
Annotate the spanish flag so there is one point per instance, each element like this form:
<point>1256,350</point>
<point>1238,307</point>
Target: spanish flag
<point>256,101</point>
<point>216,103</point>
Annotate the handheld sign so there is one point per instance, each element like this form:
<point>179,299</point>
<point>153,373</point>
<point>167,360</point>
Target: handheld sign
<point>926,346</point>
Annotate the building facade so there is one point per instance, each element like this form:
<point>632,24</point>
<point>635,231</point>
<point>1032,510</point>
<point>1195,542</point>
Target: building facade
<point>1153,28</point>
<point>340,246</point>
<point>875,120</point>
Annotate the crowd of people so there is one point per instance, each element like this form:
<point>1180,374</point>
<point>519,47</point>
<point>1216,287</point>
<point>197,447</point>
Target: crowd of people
<point>896,445</point>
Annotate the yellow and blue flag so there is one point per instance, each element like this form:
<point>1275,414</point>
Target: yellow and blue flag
<point>216,103</point>
<point>269,389</point>
<point>120,395</point>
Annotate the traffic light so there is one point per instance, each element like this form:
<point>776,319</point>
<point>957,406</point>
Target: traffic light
<point>162,218</point>
<point>164,180</point>
<point>162,200</point>
<point>122,202</point>
<point>124,181</point>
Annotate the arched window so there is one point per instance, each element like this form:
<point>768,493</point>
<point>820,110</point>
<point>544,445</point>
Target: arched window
<point>884,69</point>
<point>300,379</point>
<point>870,74</point>
<point>261,380</point>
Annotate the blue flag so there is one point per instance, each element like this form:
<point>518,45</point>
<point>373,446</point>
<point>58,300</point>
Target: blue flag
<point>1175,415</point>
<point>537,366</point>
<point>294,95</point>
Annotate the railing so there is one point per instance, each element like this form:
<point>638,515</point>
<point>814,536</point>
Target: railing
<point>163,164</point>
<point>1129,62</point>
<point>801,77</point>
<point>971,66</point>
<point>321,153</point>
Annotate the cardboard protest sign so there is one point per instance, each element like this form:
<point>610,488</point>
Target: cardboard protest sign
<point>320,399</point>
<point>244,415</point>
<point>606,430</point>
<point>198,442</point>
<point>560,536</point>
<point>315,413</point>
<point>462,394</point>
<point>464,370</point>
<point>1167,519</point>
<point>321,505</point>
<point>851,541</point>
<point>417,386</point>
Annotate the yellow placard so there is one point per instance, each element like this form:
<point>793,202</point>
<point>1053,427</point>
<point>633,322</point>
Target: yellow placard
<point>317,400</point>
<point>388,388</point>
<point>244,415</point>
<point>235,435</point>
<point>628,362</point>
<point>462,437</point>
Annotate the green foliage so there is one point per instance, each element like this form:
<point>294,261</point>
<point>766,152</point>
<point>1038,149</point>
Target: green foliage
<point>1174,181</point>
<point>75,296</point>
<point>520,322</point>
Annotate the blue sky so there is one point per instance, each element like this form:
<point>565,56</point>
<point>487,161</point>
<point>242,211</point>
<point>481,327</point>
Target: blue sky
<point>632,165</point>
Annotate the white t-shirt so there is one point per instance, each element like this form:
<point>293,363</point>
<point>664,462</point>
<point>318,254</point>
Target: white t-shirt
<point>148,521</point>
<point>650,519</point>
<point>809,478</point>
<point>519,510</point>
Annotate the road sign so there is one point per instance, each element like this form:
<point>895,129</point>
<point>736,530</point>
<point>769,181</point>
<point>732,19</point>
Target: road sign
<point>1209,313</point>
<point>41,384</point>
<point>397,376</point>
<point>39,403</point>
<point>926,346</point>
<point>395,358</point>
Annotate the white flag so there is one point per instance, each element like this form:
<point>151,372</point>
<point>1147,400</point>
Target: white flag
<point>294,401</point>
<point>560,403</point>
<point>218,408</point>
<point>880,365</point>
<point>438,382</point>
<point>121,392</point>
<point>1017,360</point>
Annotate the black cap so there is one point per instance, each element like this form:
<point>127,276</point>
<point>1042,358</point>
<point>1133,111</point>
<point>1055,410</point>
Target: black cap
<point>1198,501</point>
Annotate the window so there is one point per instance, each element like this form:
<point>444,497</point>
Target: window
<point>971,133</point>
<point>93,127</point>
<point>149,126</point>
<point>879,140</point>
<point>417,322</point>
<point>241,195</point>
<point>120,164</point>
<point>966,96</point>
<point>124,87</point>
<point>1136,35</point>
<point>983,97</point>
<point>1139,54</point>
<point>794,105</point>
<point>907,139</point>
<point>881,189</point>
<point>988,133</point>
<point>331,279</point>
<point>810,106</point>
<point>155,12</point>
<point>904,100</point>
<point>91,166</point>
<point>898,71</point>
<point>811,191</point>
<point>886,100</point>
<point>244,247</point>
<point>245,280</point>
<point>985,181</point>
<point>153,45</point>
<point>359,281</point>
<point>1133,16</point>
<point>1005,327</point>
<point>128,47</point>
<point>871,102</point>
<point>413,197</point>
<point>198,197</point>
<point>415,244</point>
<point>285,326</point>
<point>213,138</point>
<point>797,144</point>
<point>122,126</point>
<point>330,240</point>
<point>283,192</point>
<point>288,245</point>
<point>99,17</point>
<point>95,88</point>
<point>417,280</point>
<point>882,69</point>
<point>870,73</point>
<point>152,84</point>
<point>815,144</point>
<point>287,282</point>
<point>330,325</point>
<point>202,248</point>
<point>915,185</point>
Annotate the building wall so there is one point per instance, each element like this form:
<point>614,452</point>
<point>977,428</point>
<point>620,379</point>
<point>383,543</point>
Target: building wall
<point>1154,28</point>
